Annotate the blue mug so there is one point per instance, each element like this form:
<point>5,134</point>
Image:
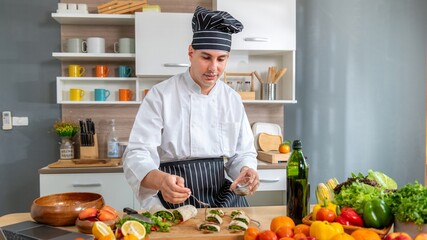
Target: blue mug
<point>101,94</point>
<point>124,71</point>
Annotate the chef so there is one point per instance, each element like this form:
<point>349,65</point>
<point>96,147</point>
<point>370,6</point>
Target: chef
<point>191,133</point>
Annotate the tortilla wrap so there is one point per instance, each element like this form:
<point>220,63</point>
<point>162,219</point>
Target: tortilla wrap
<point>160,211</point>
<point>235,212</point>
<point>214,218</point>
<point>237,226</point>
<point>218,212</point>
<point>242,218</point>
<point>208,227</point>
<point>184,213</point>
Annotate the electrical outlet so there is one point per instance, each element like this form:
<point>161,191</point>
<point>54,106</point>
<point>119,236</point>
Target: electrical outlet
<point>7,120</point>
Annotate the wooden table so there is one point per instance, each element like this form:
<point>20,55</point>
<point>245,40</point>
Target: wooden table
<point>187,230</point>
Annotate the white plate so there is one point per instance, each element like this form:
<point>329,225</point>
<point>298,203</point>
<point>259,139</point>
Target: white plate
<point>260,127</point>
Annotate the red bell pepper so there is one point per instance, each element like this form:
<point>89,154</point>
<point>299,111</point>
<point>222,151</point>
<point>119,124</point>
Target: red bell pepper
<point>352,217</point>
<point>342,221</point>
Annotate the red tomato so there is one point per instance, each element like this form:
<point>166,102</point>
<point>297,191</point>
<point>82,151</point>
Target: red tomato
<point>326,214</point>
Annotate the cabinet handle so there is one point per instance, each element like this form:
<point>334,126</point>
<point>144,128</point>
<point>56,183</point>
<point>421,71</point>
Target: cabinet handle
<point>86,184</point>
<point>256,39</point>
<point>269,180</point>
<point>176,65</point>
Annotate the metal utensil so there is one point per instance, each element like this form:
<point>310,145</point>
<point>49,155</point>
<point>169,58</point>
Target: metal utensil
<point>133,213</point>
<point>202,203</point>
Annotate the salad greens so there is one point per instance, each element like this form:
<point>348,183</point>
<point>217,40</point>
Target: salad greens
<point>383,180</point>
<point>356,194</point>
<point>409,204</point>
<point>157,226</point>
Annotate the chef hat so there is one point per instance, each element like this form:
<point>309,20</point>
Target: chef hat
<point>212,29</point>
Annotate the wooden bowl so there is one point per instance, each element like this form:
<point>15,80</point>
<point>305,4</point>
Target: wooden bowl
<point>63,209</point>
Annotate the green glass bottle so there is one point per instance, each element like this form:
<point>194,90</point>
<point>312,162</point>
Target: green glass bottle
<point>297,188</point>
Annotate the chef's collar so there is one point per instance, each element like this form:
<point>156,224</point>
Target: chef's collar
<point>212,29</point>
<point>194,87</point>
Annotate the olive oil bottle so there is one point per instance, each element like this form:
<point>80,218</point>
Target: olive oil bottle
<point>297,188</point>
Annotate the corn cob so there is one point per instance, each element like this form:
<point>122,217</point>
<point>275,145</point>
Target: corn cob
<point>331,184</point>
<point>322,192</point>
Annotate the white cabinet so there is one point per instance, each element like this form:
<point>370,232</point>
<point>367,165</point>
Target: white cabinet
<point>272,179</point>
<point>162,41</point>
<point>112,186</point>
<point>89,25</point>
<point>268,24</point>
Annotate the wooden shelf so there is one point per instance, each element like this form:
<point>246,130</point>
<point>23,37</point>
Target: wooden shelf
<point>65,56</point>
<point>94,19</point>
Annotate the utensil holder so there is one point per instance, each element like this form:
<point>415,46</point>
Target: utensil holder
<point>90,152</point>
<point>268,91</point>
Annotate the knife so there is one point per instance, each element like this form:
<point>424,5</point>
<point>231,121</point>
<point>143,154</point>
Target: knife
<point>133,213</point>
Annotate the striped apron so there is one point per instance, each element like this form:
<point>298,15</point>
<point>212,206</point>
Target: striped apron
<point>206,179</point>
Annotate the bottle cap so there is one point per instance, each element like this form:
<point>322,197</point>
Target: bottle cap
<point>297,144</point>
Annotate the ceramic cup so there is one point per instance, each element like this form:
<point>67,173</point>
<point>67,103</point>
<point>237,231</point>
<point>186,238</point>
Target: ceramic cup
<point>94,45</point>
<point>76,94</point>
<point>72,7</point>
<point>101,94</point>
<point>82,7</point>
<point>124,71</point>
<point>76,70</point>
<point>62,7</point>
<point>125,94</point>
<point>102,71</point>
<point>125,45</point>
<point>74,45</point>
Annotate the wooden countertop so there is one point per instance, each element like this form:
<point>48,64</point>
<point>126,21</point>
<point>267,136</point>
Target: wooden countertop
<point>119,169</point>
<point>187,230</point>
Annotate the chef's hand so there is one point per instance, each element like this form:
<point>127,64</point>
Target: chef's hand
<point>173,189</point>
<point>253,179</point>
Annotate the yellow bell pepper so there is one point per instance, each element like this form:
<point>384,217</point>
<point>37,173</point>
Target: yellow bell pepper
<point>324,230</point>
<point>325,204</point>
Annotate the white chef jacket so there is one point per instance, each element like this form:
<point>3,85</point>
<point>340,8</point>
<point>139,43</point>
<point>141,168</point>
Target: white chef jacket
<point>177,122</point>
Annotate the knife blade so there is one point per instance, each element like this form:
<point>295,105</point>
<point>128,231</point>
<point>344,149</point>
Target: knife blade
<point>133,213</point>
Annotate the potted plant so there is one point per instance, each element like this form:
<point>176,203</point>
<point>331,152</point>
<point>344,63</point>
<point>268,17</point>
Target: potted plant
<point>409,205</point>
<point>66,130</point>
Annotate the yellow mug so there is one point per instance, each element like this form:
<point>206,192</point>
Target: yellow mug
<point>76,70</point>
<point>76,94</point>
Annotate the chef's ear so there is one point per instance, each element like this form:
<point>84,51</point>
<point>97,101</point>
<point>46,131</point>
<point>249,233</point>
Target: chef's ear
<point>190,51</point>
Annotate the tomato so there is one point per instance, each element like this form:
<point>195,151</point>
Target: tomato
<point>284,232</point>
<point>251,233</point>
<point>325,214</point>
<point>267,235</point>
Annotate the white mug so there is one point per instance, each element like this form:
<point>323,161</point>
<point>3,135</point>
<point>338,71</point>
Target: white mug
<point>125,45</point>
<point>95,45</point>
<point>62,7</point>
<point>75,45</point>
<point>82,7</point>
<point>72,7</point>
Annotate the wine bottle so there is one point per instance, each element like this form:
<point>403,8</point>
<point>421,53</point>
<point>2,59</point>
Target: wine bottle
<point>297,188</point>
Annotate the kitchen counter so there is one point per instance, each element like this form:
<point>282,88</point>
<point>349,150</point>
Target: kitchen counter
<point>188,230</point>
<point>119,169</point>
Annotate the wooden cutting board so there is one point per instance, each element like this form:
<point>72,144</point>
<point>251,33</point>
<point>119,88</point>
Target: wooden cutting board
<point>268,142</point>
<point>273,156</point>
<point>187,230</point>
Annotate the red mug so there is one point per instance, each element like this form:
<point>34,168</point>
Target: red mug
<point>125,94</point>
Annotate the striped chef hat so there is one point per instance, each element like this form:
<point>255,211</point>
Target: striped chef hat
<point>212,29</point>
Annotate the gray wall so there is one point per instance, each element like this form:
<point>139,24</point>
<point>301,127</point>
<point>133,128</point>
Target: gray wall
<point>361,74</point>
<point>28,36</point>
<point>361,88</point>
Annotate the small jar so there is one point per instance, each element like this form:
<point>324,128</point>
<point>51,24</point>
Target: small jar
<point>66,150</point>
